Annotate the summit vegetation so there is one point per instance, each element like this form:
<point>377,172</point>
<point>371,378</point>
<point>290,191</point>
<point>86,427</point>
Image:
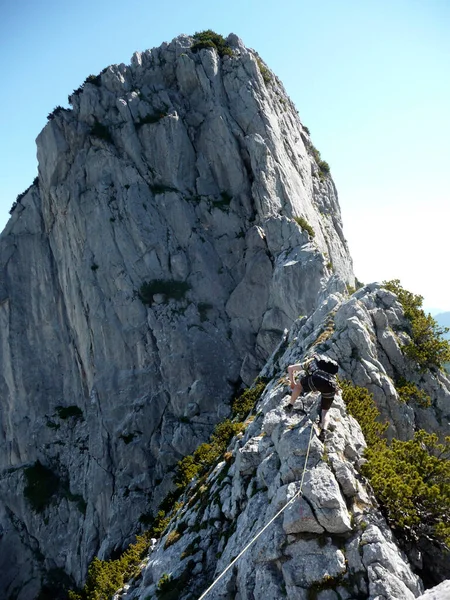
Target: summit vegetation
<point>211,39</point>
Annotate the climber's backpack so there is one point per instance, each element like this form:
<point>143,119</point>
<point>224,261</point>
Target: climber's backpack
<point>324,363</point>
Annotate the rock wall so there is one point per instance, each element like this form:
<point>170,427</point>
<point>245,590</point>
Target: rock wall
<point>184,171</point>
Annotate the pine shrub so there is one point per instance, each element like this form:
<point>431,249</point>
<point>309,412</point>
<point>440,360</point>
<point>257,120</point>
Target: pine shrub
<point>42,486</point>
<point>105,577</point>
<point>206,454</point>
<point>324,167</point>
<point>265,73</point>
<point>427,347</point>
<point>409,392</point>
<point>247,400</point>
<point>211,39</point>
<point>101,131</point>
<point>411,479</point>
<point>361,406</point>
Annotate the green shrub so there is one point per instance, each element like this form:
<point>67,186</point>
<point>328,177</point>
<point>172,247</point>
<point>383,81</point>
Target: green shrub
<point>164,582</point>
<point>105,577</point>
<point>65,412</point>
<point>169,287</point>
<point>152,118</point>
<point>303,223</point>
<point>427,347</point>
<point>224,202</point>
<point>360,405</point>
<point>210,39</point>
<point>19,197</point>
<point>324,167</point>
<point>411,479</point>
<point>42,485</point>
<point>93,79</point>
<point>101,131</point>
<point>56,111</point>
<point>265,73</point>
<point>205,456</point>
<point>172,538</point>
<point>412,482</point>
<point>169,588</point>
<point>191,548</point>
<point>409,392</point>
<point>247,400</point>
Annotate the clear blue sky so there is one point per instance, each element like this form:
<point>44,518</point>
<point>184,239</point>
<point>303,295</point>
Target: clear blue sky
<point>370,78</point>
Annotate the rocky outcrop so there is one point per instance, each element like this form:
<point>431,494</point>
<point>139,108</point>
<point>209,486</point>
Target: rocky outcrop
<point>184,171</point>
<point>331,542</point>
<point>440,592</point>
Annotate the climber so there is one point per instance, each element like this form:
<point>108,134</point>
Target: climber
<point>317,375</point>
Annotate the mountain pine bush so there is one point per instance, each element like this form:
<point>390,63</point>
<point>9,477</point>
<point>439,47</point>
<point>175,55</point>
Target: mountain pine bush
<point>105,577</point>
<point>427,347</point>
<point>211,39</point>
<point>411,479</point>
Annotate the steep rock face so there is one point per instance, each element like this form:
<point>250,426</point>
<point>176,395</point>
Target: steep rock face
<point>183,170</point>
<point>332,542</point>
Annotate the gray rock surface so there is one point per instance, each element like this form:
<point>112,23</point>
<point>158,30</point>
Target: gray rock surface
<point>328,542</point>
<point>440,592</point>
<point>183,167</point>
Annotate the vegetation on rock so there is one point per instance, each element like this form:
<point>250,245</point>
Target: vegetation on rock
<point>409,392</point>
<point>101,131</point>
<point>170,588</point>
<point>211,39</point>
<point>56,111</point>
<point>170,288</point>
<point>105,577</point>
<point>206,454</point>
<point>265,73</point>
<point>324,167</point>
<point>247,400</point>
<point>303,223</point>
<point>93,79</point>
<point>42,484</point>
<point>18,200</point>
<point>411,479</point>
<point>427,347</point>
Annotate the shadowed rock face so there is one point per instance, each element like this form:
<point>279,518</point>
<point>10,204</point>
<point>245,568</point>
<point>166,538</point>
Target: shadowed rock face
<point>184,171</point>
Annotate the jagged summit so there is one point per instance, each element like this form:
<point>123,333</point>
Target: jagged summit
<point>182,221</point>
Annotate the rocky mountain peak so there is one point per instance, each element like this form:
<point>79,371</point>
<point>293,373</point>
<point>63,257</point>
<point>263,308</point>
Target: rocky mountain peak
<point>181,223</point>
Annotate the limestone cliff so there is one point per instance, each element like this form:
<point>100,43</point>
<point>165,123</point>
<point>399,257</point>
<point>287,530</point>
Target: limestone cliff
<point>181,221</point>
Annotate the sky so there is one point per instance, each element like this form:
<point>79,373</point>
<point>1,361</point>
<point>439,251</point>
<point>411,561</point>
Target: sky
<point>370,79</point>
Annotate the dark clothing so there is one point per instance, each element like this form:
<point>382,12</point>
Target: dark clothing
<point>321,382</point>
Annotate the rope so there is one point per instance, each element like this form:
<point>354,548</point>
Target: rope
<point>294,497</point>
